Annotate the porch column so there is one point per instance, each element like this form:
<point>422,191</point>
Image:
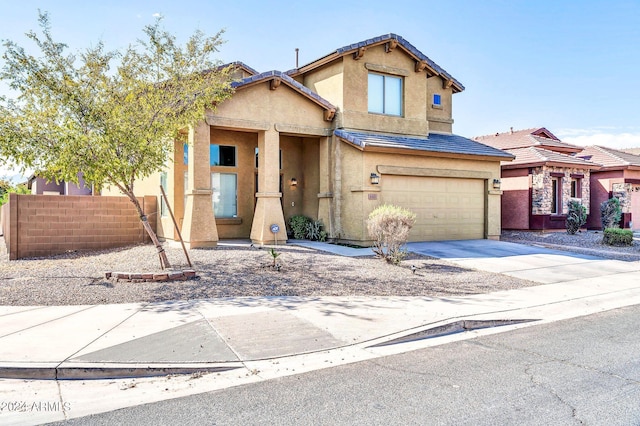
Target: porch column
<point>268,207</point>
<point>325,196</point>
<point>199,225</point>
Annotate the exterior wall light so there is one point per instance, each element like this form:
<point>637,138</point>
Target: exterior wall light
<point>375,179</point>
<point>496,184</point>
<point>294,182</point>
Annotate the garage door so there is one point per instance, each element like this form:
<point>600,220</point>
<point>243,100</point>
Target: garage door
<point>445,208</point>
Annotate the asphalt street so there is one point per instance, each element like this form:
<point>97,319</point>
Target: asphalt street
<point>584,370</point>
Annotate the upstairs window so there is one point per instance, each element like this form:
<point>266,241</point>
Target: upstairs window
<point>437,100</point>
<point>385,94</point>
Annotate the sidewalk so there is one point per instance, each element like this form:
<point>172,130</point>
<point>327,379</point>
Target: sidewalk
<point>154,339</point>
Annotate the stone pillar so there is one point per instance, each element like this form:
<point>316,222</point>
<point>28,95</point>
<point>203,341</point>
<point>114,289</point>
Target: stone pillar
<point>325,196</point>
<point>199,225</point>
<point>268,208</point>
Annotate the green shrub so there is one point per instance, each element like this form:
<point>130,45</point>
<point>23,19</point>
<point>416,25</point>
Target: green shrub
<point>389,228</point>
<point>617,237</point>
<point>576,217</point>
<point>298,226</point>
<point>610,213</point>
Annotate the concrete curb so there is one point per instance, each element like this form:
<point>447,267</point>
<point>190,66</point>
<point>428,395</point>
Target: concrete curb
<point>96,371</point>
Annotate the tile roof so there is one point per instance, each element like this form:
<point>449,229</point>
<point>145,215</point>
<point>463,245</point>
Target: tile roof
<point>531,156</point>
<point>240,64</point>
<point>270,75</point>
<point>526,138</point>
<point>382,39</point>
<point>610,158</point>
<point>435,142</point>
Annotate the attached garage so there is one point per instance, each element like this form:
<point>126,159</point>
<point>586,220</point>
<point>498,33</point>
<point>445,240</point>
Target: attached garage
<point>445,208</point>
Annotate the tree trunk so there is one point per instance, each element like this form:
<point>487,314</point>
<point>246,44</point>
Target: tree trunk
<point>164,262</point>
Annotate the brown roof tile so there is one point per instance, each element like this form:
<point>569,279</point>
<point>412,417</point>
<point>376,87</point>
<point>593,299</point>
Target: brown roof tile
<point>609,157</point>
<point>540,137</point>
<point>533,156</point>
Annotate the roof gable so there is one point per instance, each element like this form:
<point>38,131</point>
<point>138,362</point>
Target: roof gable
<point>391,41</point>
<point>276,78</point>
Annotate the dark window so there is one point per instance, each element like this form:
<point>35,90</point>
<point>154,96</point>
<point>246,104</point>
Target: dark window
<point>576,188</point>
<point>554,196</point>
<point>222,155</point>
<point>437,100</point>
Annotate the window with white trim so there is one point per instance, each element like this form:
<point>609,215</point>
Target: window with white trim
<point>225,194</point>
<point>385,94</point>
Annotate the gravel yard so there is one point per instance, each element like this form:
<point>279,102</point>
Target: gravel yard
<point>235,271</point>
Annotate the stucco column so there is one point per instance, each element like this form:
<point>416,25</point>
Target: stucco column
<point>325,196</point>
<point>199,225</point>
<point>268,208</point>
<point>493,210</point>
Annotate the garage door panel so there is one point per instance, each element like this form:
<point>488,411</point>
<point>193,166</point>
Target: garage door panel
<point>445,208</point>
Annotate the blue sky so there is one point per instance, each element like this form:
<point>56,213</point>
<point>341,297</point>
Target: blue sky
<point>570,66</point>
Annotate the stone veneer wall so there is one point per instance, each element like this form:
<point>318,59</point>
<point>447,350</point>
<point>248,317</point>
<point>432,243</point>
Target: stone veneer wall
<point>44,225</point>
<point>622,191</point>
<point>541,183</point>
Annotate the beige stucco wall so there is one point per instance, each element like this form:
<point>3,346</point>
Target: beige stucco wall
<point>355,187</point>
<point>440,118</point>
<point>257,105</point>
<point>344,82</point>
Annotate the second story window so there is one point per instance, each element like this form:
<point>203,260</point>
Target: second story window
<point>437,100</point>
<point>385,94</point>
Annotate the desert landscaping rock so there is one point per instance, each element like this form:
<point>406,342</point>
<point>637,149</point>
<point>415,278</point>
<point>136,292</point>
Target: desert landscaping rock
<point>79,278</point>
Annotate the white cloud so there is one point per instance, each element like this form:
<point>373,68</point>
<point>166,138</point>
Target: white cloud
<point>157,15</point>
<point>601,136</point>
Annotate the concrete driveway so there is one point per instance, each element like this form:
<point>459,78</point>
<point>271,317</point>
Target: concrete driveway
<point>532,263</point>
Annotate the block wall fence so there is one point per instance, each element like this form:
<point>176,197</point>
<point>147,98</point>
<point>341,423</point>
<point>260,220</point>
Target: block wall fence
<point>45,225</point>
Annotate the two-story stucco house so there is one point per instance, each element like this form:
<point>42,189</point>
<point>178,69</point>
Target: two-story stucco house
<point>367,124</point>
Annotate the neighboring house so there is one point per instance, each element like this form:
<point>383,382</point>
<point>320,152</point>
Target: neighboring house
<point>41,186</point>
<point>367,124</point>
<point>618,177</point>
<point>545,175</point>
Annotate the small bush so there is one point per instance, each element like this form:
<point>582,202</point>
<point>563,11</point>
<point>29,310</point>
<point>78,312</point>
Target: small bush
<point>610,213</point>
<point>298,226</point>
<point>576,217</point>
<point>617,237</point>
<point>389,228</point>
<point>314,231</point>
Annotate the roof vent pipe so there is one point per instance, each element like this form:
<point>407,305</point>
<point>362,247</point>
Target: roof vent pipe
<point>297,50</point>
<point>511,130</point>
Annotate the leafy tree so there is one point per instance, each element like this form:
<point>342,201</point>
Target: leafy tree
<point>112,115</point>
<point>6,188</point>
